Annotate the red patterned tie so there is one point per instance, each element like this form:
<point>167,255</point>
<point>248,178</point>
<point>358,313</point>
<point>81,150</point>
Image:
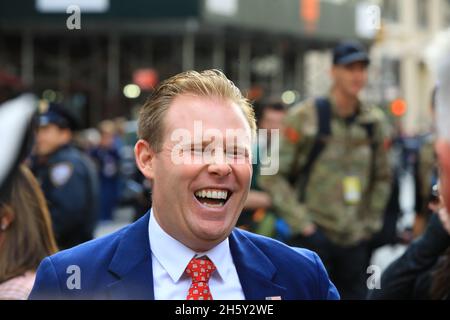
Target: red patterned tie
<point>200,270</point>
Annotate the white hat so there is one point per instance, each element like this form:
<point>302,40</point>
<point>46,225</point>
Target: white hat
<point>16,116</point>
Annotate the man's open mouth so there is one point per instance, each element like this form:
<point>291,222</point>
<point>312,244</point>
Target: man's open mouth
<point>214,198</point>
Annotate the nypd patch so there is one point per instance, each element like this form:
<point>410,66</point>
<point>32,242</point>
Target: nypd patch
<point>60,173</point>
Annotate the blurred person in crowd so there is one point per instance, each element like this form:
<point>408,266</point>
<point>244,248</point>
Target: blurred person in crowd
<point>423,271</point>
<point>134,189</point>
<point>67,177</point>
<point>334,177</point>
<point>425,175</point>
<point>87,139</point>
<point>186,246</point>
<point>438,59</point>
<point>130,188</point>
<point>119,132</point>
<point>258,216</point>
<point>107,158</point>
<point>26,236</point>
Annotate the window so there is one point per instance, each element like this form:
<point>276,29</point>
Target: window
<point>390,10</point>
<point>422,14</point>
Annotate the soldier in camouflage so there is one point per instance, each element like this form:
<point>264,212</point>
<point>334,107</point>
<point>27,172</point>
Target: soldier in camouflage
<point>332,186</point>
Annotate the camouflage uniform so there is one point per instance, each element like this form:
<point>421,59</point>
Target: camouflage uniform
<point>347,152</point>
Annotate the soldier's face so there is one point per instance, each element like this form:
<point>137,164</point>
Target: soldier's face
<point>49,138</point>
<point>351,78</point>
<point>199,201</point>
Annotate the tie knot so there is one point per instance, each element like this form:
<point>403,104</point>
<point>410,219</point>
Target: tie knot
<point>200,269</point>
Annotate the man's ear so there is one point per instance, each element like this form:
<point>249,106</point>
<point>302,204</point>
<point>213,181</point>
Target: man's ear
<point>144,158</point>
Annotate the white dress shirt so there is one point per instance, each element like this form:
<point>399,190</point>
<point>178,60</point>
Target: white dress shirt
<point>170,258</point>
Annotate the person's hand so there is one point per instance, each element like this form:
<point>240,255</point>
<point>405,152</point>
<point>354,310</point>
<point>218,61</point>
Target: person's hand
<point>445,219</point>
<point>309,230</point>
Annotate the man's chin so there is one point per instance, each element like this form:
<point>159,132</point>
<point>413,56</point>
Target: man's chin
<point>213,232</point>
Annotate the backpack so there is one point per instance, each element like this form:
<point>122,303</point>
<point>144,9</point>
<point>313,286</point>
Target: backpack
<point>388,234</point>
<point>323,111</point>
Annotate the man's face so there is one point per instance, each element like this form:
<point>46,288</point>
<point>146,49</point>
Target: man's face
<point>49,138</point>
<point>350,78</point>
<point>182,193</point>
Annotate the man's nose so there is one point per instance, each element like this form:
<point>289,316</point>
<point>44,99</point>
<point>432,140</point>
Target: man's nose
<point>220,169</point>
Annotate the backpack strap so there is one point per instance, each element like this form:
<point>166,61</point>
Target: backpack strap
<point>323,111</point>
<point>370,130</point>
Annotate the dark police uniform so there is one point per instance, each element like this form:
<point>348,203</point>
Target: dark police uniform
<point>69,181</point>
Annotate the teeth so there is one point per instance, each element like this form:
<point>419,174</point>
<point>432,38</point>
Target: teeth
<point>213,205</point>
<point>212,194</point>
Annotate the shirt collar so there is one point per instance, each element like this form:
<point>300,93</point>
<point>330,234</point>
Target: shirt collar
<point>334,107</point>
<point>175,260</point>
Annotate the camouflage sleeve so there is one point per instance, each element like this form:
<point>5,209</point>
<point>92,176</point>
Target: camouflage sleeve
<point>284,196</point>
<point>382,178</point>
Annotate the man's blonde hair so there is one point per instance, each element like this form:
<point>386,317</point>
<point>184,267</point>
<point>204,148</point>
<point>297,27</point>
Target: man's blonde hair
<point>208,83</point>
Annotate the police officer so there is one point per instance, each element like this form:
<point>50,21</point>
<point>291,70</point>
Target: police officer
<point>68,178</point>
<point>334,178</point>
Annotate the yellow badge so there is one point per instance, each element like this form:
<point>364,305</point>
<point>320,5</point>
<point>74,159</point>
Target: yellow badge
<point>352,190</point>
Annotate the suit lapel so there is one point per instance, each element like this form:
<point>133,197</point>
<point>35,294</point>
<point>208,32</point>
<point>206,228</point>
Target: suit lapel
<point>132,264</point>
<point>254,268</point>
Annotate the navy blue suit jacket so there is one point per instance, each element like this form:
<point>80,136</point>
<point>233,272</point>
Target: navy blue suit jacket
<point>119,266</point>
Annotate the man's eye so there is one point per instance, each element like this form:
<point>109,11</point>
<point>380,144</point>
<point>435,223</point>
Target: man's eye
<point>238,153</point>
<point>197,150</point>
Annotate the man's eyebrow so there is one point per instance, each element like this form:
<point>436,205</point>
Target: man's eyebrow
<point>238,147</point>
<point>209,142</point>
<point>203,143</point>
